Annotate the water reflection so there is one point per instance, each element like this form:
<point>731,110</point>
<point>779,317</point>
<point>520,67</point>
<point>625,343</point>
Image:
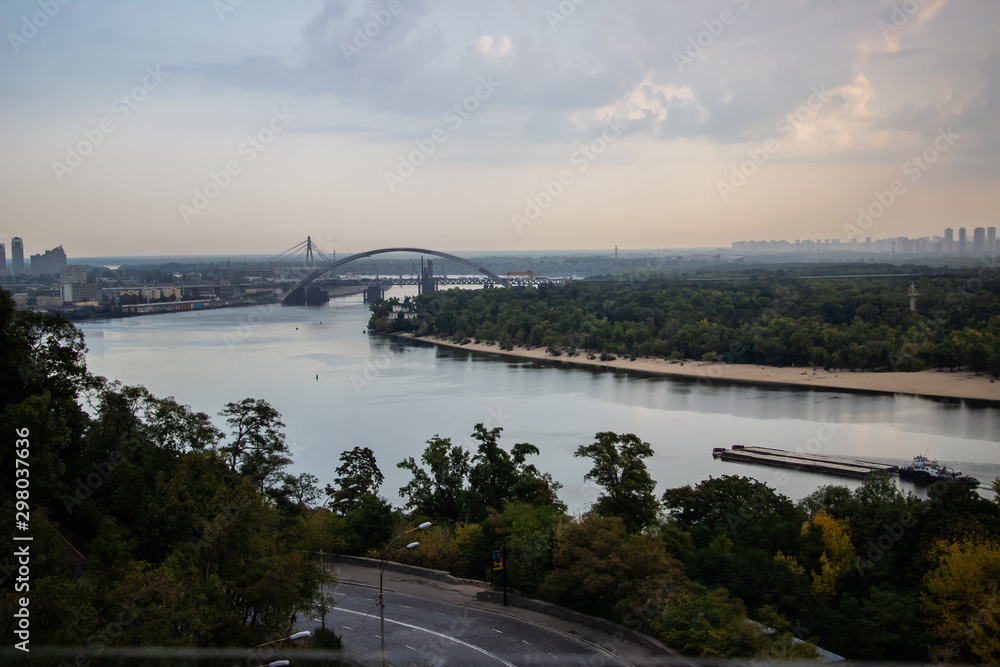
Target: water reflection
<point>392,395</point>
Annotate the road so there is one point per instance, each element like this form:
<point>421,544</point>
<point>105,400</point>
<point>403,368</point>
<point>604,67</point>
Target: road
<point>426,631</point>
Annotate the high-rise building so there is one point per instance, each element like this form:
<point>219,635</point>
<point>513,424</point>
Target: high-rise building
<point>74,288</point>
<point>16,255</point>
<point>991,240</point>
<point>979,240</point>
<point>73,274</point>
<point>949,240</point>
<point>52,261</point>
<point>961,241</point>
<point>3,259</point>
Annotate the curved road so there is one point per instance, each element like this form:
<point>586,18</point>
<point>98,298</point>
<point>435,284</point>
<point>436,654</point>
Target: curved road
<point>425,631</point>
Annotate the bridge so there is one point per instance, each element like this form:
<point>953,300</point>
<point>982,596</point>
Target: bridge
<point>300,286</point>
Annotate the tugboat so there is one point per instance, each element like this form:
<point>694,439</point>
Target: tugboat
<point>925,471</point>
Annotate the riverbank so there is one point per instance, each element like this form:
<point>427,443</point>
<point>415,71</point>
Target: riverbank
<point>933,384</point>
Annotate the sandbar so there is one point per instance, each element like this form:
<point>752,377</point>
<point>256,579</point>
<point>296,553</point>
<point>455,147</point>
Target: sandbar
<point>929,383</point>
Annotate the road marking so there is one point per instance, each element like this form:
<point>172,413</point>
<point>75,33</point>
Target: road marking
<point>409,647</point>
<point>495,630</point>
<point>433,632</point>
<point>404,606</point>
<point>526,642</point>
<point>554,656</point>
<point>347,627</point>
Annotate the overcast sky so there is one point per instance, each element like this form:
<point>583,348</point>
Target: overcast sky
<point>228,126</point>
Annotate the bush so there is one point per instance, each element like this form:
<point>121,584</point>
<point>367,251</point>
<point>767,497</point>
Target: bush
<point>326,639</point>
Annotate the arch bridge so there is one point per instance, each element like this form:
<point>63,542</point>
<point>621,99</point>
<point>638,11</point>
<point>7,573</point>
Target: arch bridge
<point>361,255</point>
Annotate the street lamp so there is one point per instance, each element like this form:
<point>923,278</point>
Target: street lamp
<point>342,503</point>
<point>295,637</point>
<point>388,551</point>
<point>279,663</point>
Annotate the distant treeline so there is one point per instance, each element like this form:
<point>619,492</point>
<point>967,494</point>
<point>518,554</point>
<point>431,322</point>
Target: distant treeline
<point>771,319</point>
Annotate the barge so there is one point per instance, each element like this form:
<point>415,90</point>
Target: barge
<point>779,458</point>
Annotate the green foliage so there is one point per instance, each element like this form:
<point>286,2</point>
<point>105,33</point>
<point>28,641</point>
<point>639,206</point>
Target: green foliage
<point>713,624</point>
<point>257,448</point>
<point>358,476</point>
<point>601,569</point>
<point>439,491</point>
<point>620,470</point>
<point>368,524</point>
<point>455,486</point>
<point>181,547</point>
<point>748,511</point>
<point>852,323</point>
<point>529,533</point>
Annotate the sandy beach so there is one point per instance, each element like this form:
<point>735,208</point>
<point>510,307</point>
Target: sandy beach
<point>932,383</point>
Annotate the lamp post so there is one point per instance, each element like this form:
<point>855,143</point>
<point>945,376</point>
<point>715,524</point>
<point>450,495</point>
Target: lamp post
<point>296,636</point>
<point>388,551</point>
<point>342,503</point>
<point>292,638</point>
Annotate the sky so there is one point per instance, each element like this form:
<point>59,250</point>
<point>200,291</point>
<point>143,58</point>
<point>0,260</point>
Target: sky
<point>242,126</point>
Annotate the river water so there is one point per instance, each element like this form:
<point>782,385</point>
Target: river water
<point>393,395</point>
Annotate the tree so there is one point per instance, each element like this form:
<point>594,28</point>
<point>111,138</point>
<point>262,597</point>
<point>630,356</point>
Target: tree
<point>838,552</point>
<point>358,469</point>
<point>496,476</point>
<point>174,426</point>
<point>601,569</point>
<point>961,601</point>
<point>438,492</point>
<point>302,489</point>
<point>529,533</point>
<point>748,511</point>
<point>258,449</point>
<point>713,624</point>
<point>619,468</point>
<point>40,352</point>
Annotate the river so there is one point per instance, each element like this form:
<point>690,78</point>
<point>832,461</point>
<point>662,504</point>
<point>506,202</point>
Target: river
<point>393,395</point>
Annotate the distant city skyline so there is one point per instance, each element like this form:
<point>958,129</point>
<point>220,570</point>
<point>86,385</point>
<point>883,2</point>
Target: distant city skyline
<point>944,244</point>
<point>515,126</point>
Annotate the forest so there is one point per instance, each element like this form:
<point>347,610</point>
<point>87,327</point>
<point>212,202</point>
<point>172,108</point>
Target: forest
<point>770,318</point>
<point>154,526</point>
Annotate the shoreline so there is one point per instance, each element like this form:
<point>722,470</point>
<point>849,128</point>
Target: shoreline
<point>927,383</point>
